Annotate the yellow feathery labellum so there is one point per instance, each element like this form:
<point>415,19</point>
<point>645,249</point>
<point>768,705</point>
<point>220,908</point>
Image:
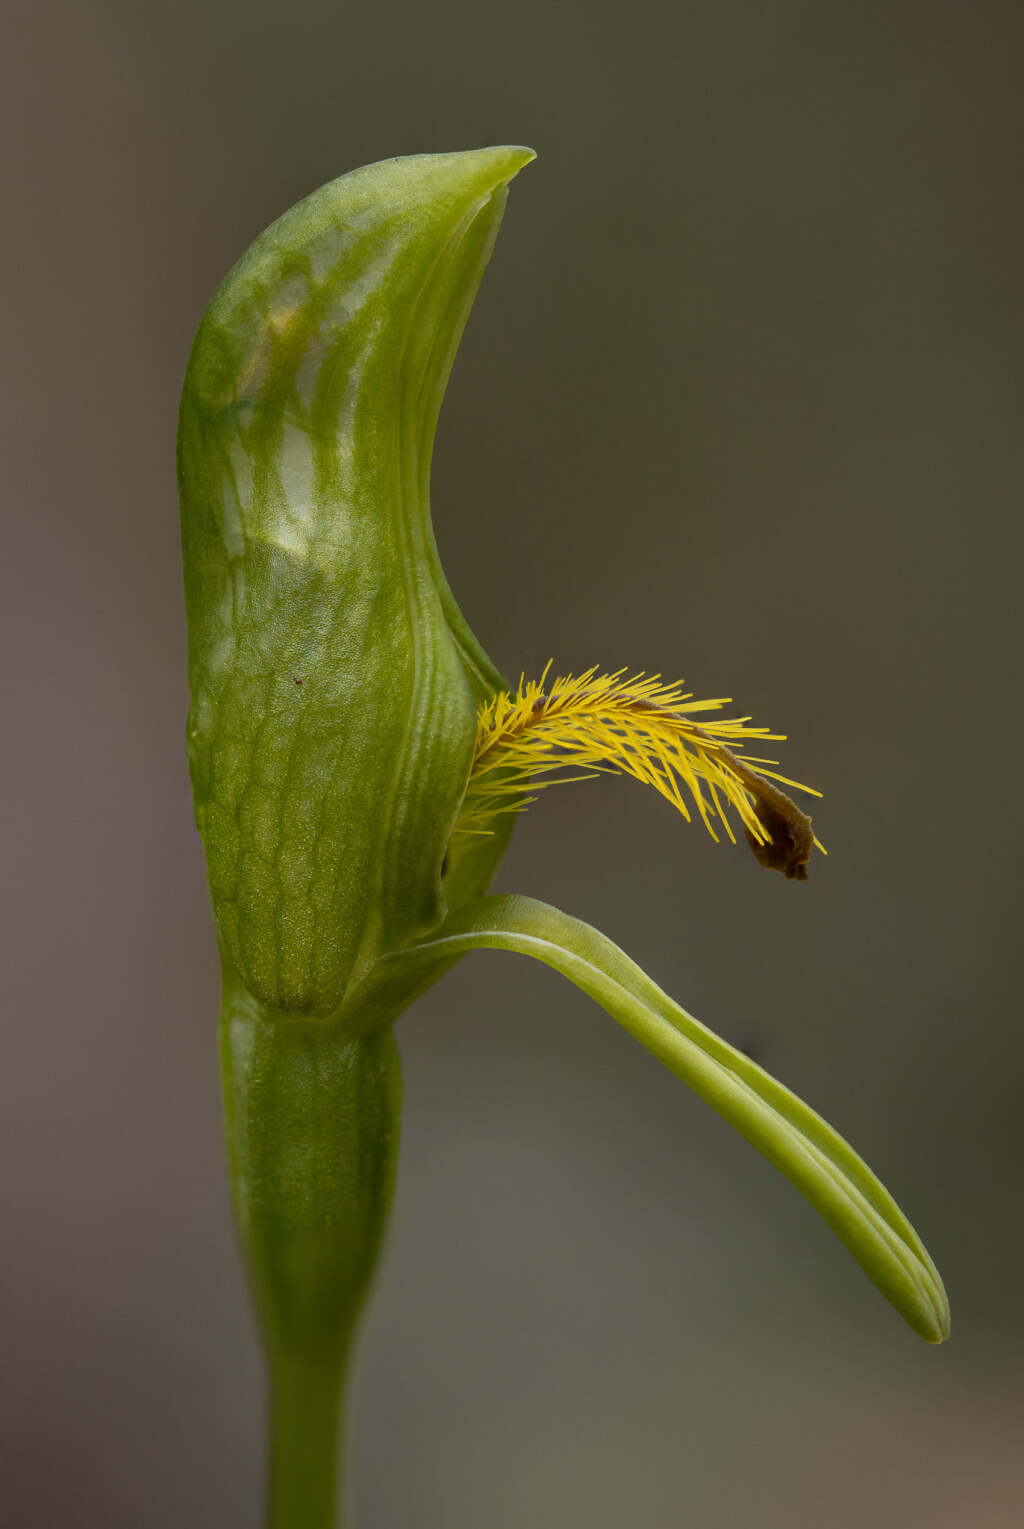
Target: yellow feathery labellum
<point>634,725</point>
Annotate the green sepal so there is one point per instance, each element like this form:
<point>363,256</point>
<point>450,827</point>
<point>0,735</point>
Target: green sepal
<point>334,682</point>
<point>803,1146</point>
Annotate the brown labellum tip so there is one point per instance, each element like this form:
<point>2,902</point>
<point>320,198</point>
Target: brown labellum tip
<point>790,840</point>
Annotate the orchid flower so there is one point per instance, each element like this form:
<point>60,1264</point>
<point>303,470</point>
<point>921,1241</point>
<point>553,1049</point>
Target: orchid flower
<point>358,764</point>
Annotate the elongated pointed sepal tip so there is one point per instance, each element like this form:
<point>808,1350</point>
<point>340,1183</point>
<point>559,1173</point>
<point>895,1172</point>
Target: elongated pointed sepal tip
<point>931,1318</point>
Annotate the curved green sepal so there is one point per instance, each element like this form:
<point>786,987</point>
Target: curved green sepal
<point>813,1156</point>
<point>334,682</point>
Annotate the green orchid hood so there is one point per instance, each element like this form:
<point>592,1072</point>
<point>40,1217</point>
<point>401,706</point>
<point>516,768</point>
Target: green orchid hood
<point>334,681</point>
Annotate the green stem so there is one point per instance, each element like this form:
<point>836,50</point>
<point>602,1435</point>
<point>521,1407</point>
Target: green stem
<point>305,1408</point>
<point>312,1112</point>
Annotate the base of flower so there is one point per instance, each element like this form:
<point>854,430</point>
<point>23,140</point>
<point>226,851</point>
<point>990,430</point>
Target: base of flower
<point>312,1115</point>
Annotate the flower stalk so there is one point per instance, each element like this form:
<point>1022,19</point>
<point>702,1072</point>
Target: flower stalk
<point>312,1115</point>
<point>357,765</point>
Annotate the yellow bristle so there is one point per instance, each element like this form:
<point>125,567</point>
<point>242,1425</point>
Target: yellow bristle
<point>635,725</point>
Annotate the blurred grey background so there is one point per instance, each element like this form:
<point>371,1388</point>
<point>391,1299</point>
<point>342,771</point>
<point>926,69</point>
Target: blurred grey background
<point>740,402</point>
